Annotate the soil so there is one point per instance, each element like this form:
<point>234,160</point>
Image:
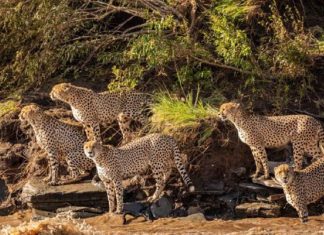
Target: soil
<point>106,224</point>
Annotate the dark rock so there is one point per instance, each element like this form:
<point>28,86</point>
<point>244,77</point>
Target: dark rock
<point>254,187</point>
<point>257,209</point>
<point>41,196</point>
<point>266,182</point>
<point>229,199</point>
<point>162,208</point>
<point>7,209</point>
<point>3,190</point>
<point>215,186</point>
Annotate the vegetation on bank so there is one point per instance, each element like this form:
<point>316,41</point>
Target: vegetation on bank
<point>227,49</point>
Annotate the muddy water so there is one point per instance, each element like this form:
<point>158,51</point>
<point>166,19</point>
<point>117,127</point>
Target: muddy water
<point>105,224</point>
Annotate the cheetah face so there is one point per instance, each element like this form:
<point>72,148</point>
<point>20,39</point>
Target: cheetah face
<point>284,174</point>
<point>228,110</point>
<point>90,149</point>
<point>61,92</point>
<point>28,112</point>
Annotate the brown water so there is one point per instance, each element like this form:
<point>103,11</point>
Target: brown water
<point>19,223</point>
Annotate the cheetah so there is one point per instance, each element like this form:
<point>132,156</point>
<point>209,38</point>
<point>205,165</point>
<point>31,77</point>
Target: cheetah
<point>301,187</point>
<point>125,123</point>
<point>260,132</point>
<point>58,138</point>
<point>155,151</point>
<point>92,109</point>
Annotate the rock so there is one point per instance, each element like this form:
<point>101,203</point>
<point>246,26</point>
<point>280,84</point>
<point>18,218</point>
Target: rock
<point>38,195</point>
<point>4,148</point>
<point>80,211</point>
<point>272,165</point>
<point>195,217</point>
<point>254,187</point>
<point>276,197</point>
<point>137,209</point>
<point>3,190</point>
<point>271,198</point>
<point>229,199</point>
<point>162,208</point>
<point>7,209</point>
<point>215,186</point>
<point>240,171</point>
<point>194,209</point>
<point>266,182</point>
<point>257,209</point>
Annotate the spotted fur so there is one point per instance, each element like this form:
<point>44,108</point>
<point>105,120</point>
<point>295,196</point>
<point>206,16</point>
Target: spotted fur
<point>92,109</point>
<point>155,151</point>
<point>58,138</point>
<point>260,132</point>
<point>302,187</point>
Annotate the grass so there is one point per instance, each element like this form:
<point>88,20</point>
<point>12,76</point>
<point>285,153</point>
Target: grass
<point>174,116</point>
<point>7,106</point>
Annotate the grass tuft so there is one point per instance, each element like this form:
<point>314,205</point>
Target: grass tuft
<point>176,117</point>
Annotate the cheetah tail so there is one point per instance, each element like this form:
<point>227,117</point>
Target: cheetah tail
<point>181,169</point>
<point>321,139</point>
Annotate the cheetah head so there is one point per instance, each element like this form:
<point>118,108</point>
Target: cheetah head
<point>62,91</point>
<point>284,174</point>
<point>92,148</point>
<point>29,112</point>
<point>228,111</point>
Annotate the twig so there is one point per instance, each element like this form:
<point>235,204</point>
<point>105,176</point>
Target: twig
<point>217,64</point>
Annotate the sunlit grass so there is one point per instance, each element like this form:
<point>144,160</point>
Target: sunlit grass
<point>174,116</point>
<point>7,106</point>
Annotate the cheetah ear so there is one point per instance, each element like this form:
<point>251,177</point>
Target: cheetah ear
<point>237,105</point>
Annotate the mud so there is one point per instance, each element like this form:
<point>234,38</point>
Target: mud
<point>19,223</point>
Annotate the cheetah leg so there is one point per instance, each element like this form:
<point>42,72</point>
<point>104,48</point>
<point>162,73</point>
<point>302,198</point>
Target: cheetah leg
<point>54,167</point>
<point>261,154</point>
<point>110,188</point>
<point>302,213</point>
<point>139,117</point>
<point>258,167</point>
<point>119,196</point>
<point>75,173</point>
<point>124,125</point>
<point>159,184</point>
<point>298,156</point>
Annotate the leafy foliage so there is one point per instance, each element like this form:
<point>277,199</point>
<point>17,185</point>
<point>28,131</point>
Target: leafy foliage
<point>241,47</point>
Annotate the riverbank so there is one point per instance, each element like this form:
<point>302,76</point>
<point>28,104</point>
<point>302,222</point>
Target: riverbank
<point>18,223</point>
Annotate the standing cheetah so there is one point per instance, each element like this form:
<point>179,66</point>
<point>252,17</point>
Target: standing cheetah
<point>260,132</point>
<point>155,151</point>
<point>302,187</point>
<point>92,109</point>
<point>58,138</point>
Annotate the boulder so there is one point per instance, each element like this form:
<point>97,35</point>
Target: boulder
<point>38,195</point>
<point>257,209</point>
<point>162,208</point>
